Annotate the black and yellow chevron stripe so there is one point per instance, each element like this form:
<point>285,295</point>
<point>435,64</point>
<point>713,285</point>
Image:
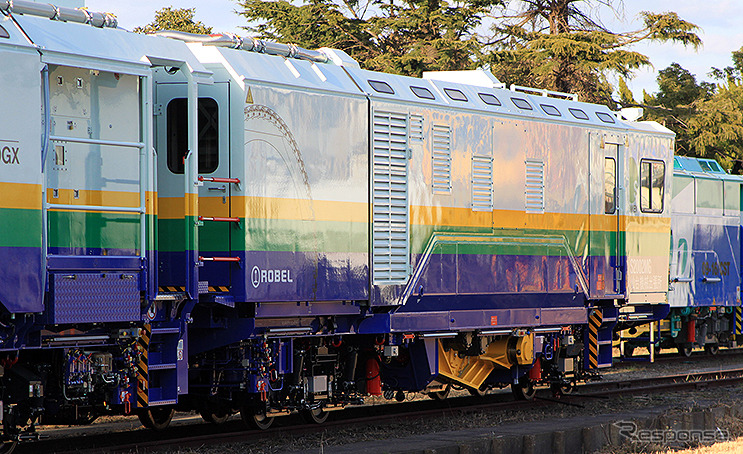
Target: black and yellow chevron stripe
<point>594,323</point>
<point>738,321</point>
<point>143,344</point>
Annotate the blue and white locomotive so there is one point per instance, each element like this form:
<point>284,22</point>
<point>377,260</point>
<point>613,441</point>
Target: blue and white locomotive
<point>226,224</point>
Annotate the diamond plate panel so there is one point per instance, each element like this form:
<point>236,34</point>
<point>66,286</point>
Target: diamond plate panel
<point>95,297</point>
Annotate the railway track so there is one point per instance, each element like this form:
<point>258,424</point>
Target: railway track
<point>196,435</point>
<point>670,355</point>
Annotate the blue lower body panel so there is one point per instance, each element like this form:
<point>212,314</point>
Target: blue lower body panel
<point>20,279</point>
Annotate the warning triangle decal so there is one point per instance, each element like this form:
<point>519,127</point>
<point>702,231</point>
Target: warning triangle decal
<point>249,98</point>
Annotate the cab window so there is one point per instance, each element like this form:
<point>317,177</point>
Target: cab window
<point>652,185</point>
<point>177,134</point>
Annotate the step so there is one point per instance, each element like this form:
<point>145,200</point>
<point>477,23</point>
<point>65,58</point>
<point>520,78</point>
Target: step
<point>225,300</point>
<point>165,366</point>
<point>155,403</point>
<point>160,331</point>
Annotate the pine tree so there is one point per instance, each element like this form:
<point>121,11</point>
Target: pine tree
<point>401,37</point>
<point>556,44</point>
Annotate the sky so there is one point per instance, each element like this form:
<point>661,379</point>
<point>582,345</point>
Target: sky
<point>719,20</point>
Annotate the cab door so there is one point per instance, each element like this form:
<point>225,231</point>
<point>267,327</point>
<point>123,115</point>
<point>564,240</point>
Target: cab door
<point>607,239</point>
<point>214,196</point>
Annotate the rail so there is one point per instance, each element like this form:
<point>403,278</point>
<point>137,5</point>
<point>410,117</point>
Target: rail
<point>364,416</point>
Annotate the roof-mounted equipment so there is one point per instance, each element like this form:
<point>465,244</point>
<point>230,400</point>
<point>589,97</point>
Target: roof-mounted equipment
<point>59,13</point>
<point>250,44</point>
<point>542,92</point>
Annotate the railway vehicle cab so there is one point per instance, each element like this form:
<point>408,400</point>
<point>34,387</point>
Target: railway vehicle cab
<point>77,272</point>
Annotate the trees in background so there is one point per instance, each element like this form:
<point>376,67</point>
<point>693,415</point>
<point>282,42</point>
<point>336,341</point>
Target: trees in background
<point>551,44</point>
<point>177,19</point>
<point>401,37</point>
<point>675,104</point>
<point>559,45</point>
<point>707,118</point>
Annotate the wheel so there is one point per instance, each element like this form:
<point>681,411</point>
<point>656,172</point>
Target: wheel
<point>315,416</point>
<point>255,419</point>
<point>440,395</point>
<point>685,349</point>
<point>628,350</point>
<point>479,392</point>
<point>561,389</point>
<point>712,349</point>
<point>214,417</point>
<point>156,418</point>
<point>524,389</point>
<point>85,419</point>
<point>6,447</point>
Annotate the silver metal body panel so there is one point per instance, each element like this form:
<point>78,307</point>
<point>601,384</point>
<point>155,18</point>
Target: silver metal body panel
<point>274,70</point>
<point>21,286</point>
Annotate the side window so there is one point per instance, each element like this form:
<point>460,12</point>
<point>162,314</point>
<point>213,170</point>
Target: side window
<point>652,185</point>
<point>709,194</point>
<point>610,185</point>
<point>732,198</point>
<point>177,134</point>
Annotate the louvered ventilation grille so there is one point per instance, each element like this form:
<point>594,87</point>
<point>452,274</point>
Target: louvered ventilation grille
<point>441,159</point>
<point>416,128</point>
<point>534,187</point>
<point>482,183</point>
<point>390,236</point>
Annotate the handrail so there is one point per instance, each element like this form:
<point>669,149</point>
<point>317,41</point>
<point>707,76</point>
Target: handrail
<point>218,219</point>
<point>112,143</point>
<point>219,179</point>
<point>60,206</point>
<point>543,92</point>
<point>219,259</point>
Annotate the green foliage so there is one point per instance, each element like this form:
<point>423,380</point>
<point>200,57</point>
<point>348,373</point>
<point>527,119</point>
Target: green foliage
<point>716,128</point>
<point>554,44</point>
<point>403,37</point>
<point>676,103</point>
<point>626,98</point>
<point>732,74</point>
<point>707,119</point>
<point>179,19</point>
